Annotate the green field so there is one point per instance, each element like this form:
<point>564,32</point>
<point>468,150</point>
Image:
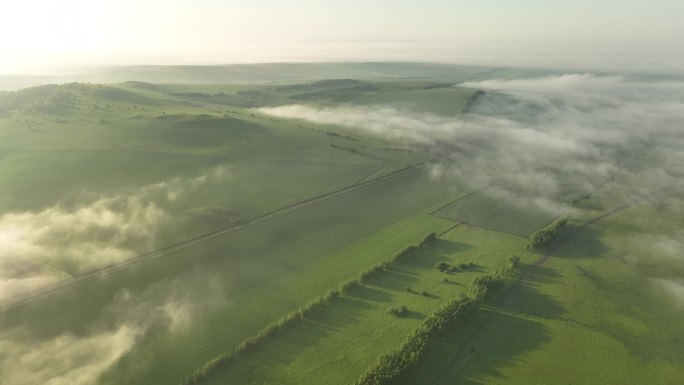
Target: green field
<point>336,343</point>
<point>151,225</point>
<point>295,215</point>
<point>487,208</point>
<point>589,313</point>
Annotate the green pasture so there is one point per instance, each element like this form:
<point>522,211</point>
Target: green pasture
<point>297,208</point>
<point>484,209</point>
<point>337,342</point>
<point>592,313</point>
<point>242,280</point>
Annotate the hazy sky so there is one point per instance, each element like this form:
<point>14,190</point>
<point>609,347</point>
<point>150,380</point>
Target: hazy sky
<point>49,35</point>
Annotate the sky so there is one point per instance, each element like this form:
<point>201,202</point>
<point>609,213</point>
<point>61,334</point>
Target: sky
<point>46,36</point>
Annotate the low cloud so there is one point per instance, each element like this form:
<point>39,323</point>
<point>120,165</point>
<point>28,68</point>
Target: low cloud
<point>177,187</point>
<point>650,247</point>
<point>81,359</point>
<point>556,137</point>
<point>672,288</point>
<point>66,359</point>
<point>38,248</point>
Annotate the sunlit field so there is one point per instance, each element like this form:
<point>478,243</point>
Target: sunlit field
<point>342,223</point>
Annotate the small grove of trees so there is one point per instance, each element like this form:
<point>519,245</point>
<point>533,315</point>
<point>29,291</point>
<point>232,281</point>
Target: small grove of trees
<point>446,268</point>
<point>542,238</point>
<point>443,267</point>
<point>60,102</point>
<point>398,311</point>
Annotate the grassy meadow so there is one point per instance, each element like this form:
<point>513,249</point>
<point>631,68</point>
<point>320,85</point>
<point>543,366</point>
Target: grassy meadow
<point>290,211</point>
<point>337,342</point>
<point>164,218</point>
<point>589,311</point>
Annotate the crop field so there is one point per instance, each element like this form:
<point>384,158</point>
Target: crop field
<point>171,229</point>
<point>484,208</point>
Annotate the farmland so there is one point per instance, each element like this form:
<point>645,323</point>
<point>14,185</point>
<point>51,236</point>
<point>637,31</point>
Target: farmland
<point>577,315</point>
<point>271,235</point>
<point>359,322</point>
<point>481,209</point>
<point>150,229</point>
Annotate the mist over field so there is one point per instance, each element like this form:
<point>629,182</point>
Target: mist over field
<point>81,359</point>
<point>547,140</point>
<point>532,143</point>
<point>341,192</point>
<point>105,231</point>
<point>545,133</point>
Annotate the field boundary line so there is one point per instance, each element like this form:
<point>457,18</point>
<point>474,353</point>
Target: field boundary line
<point>520,280</point>
<point>377,170</point>
<point>463,197</point>
<point>105,270</point>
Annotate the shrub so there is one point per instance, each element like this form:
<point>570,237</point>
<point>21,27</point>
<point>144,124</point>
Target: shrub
<point>332,296</point>
<point>398,312</point>
<point>428,238</point>
<point>442,266</point>
<point>542,238</point>
<point>348,286</point>
<point>513,262</point>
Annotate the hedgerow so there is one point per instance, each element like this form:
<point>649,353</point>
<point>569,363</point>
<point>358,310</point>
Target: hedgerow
<point>330,297</point>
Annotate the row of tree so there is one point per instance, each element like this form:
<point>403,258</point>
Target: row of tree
<point>543,238</point>
<point>388,368</point>
<point>225,358</point>
<point>392,365</point>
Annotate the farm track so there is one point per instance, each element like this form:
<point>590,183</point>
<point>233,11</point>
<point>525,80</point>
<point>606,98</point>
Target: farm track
<point>520,281</point>
<point>100,272</point>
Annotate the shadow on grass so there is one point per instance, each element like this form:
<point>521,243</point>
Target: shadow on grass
<point>435,251</point>
<point>584,243</point>
<point>412,314</point>
<point>395,279</point>
<point>285,346</point>
<point>541,274</point>
<point>445,246</point>
<point>476,351</point>
<point>528,300</point>
<point>369,293</point>
<point>426,294</point>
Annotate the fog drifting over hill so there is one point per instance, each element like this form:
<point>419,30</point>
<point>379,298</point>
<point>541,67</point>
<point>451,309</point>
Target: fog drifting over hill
<point>45,37</point>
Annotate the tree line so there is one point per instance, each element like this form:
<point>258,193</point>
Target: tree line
<point>393,364</point>
<point>329,297</point>
<point>543,238</point>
